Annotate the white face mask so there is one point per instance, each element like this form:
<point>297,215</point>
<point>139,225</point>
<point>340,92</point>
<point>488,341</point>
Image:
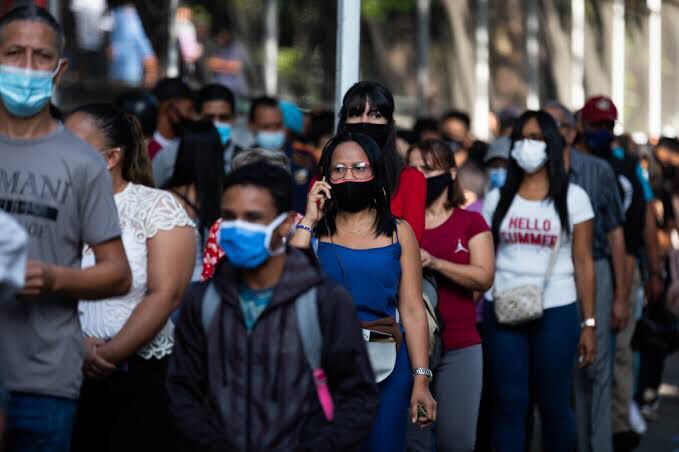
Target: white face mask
<point>531,155</point>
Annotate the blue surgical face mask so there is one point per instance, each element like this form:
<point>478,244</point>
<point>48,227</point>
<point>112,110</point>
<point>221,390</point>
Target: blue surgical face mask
<point>224,129</point>
<point>497,177</point>
<point>247,245</point>
<point>25,92</point>
<point>271,140</point>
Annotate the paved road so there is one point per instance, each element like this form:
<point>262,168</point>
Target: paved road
<point>663,434</point>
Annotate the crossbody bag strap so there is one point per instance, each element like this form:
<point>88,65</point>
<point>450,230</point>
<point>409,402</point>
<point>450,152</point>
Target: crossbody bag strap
<point>552,262</point>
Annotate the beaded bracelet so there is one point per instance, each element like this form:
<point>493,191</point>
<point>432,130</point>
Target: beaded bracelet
<point>305,228</point>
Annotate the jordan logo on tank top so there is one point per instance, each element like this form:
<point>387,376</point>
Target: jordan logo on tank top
<point>460,248</point>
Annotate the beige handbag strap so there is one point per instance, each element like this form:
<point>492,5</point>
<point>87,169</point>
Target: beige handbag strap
<point>552,262</point>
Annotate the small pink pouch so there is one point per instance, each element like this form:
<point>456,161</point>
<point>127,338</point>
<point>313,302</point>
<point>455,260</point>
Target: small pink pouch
<point>323,393</point>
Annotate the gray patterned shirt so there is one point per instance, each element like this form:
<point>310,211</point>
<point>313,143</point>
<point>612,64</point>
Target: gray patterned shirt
<point>596,177</point>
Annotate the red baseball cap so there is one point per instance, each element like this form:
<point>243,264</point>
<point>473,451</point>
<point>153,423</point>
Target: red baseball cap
<point>598,109</point>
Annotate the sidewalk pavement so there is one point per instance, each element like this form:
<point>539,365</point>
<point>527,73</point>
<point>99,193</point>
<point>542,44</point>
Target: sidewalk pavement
<point>663,434</point>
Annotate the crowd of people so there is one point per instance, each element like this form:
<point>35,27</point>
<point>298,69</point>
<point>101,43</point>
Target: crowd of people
<point>173,280</point>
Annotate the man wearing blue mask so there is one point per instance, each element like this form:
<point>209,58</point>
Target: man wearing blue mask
<point>268,129</point>
<point>217,103</point>
<point>244,374</point>
<point>495,161</point>
<point>59,190</point>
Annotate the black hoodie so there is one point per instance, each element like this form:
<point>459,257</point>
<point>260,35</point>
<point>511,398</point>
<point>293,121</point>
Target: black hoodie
<point>234,391</point>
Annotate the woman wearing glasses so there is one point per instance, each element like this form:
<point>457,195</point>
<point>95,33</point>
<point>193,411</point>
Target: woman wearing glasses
<point>377,259</point>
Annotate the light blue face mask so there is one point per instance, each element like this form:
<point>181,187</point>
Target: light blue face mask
<point>497,177</point>
<point>25,92</point>
<point>224,130</point>
<point>271,140</point>
<point>247,244</point>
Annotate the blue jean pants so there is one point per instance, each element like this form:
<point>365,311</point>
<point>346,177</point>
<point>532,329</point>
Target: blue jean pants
<point>533,359</point>
<point>37,423</point>
<point>389,428</point>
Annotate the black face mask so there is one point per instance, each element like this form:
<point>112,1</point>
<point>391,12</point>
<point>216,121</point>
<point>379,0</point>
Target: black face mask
<point>452,143</point>
<point>378,132</point>
<point>436,185</point>
<point>353,196</point>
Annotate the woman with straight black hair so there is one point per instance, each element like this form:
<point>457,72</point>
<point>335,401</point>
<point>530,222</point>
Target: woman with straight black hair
<point>368,108</point>
<point>457,249</point>
<point>542,226</point>
<point>129,339</point>
<point>377,259</point>
<point>198,179</point>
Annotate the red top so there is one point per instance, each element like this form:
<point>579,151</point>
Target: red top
<point>450,241</point>
<point>409,201</point>
<point>153,147</point>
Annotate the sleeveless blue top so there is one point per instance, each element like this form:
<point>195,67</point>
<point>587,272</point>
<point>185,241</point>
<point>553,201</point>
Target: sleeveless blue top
<point>372,276</point>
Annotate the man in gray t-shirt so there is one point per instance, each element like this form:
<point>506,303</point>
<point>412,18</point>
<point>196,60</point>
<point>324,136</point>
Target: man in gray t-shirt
<point>60,191</point>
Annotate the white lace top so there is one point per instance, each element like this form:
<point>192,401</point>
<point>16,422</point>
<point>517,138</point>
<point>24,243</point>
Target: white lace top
<point>143,212</point>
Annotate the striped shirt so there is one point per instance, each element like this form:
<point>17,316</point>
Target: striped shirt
<point>596,177</point>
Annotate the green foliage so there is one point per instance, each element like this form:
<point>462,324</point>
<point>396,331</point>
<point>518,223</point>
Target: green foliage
<point>380,10</point>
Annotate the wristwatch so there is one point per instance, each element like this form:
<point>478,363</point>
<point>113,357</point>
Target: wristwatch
<point>590,322</point>
<point>423,371</point>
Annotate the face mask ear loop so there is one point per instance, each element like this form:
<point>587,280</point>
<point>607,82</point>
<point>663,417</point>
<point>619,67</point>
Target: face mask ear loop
<point>269,235</point>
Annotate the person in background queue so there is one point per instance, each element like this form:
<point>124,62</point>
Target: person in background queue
<point>62,197</point>
<point>457,248</point>
<point>217,103</point>
<point>593,384</point>
<point>128,340</point>
<point>368,108</point>
<point>175,105</point>
<point>198,179</point>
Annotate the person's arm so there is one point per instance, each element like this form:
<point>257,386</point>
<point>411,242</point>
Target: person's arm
<point>620,313</point>
<point>170,266</point>
<point>316,199</point>
<point>109,277</point>
<point>348,371</point>
<point>187,380</point>
<point>414,201</point>
<point>414,320</point>
<point>479,274</point>
<point>584,281</point>
<point>224,66</point>
<point>654,285</point>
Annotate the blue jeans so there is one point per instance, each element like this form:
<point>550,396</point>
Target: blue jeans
<point>536,358</point>
<point>37,423</point>
<point>389,429</point>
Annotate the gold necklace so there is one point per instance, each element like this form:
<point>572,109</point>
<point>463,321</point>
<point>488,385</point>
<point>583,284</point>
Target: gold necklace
<point>360,231</point>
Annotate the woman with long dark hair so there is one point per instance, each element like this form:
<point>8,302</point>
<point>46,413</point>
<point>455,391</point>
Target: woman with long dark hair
<point>457,248</point>
<point>362,247</point>
<point>368,108</point>
<point>198,178</point>
<point>129,339</point>
<point>542,225</point>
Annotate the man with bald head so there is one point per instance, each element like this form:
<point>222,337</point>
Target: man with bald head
<point>593,384</point>
<point>59,190</point>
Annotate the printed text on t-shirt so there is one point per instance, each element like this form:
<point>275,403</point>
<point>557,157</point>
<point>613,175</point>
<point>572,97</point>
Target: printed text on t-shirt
<point>529,231</point>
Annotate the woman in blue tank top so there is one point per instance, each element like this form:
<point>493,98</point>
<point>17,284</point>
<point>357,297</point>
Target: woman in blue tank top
<point>377,259</point>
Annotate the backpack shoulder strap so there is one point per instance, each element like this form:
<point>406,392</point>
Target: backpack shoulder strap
<point>209,306</point>
<point>306,311</point>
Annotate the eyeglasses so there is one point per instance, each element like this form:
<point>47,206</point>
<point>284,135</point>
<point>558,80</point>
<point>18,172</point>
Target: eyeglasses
<point>359,170</point>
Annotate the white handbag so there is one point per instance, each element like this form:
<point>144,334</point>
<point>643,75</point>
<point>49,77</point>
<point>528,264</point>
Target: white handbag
<point>382,354</point>
<point>524,303</point>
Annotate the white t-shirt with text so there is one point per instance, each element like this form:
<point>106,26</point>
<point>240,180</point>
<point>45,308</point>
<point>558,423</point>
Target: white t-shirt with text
<point>528,234</point>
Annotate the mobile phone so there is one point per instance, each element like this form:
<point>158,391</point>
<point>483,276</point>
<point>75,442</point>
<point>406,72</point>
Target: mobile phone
<point>379,335</point>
